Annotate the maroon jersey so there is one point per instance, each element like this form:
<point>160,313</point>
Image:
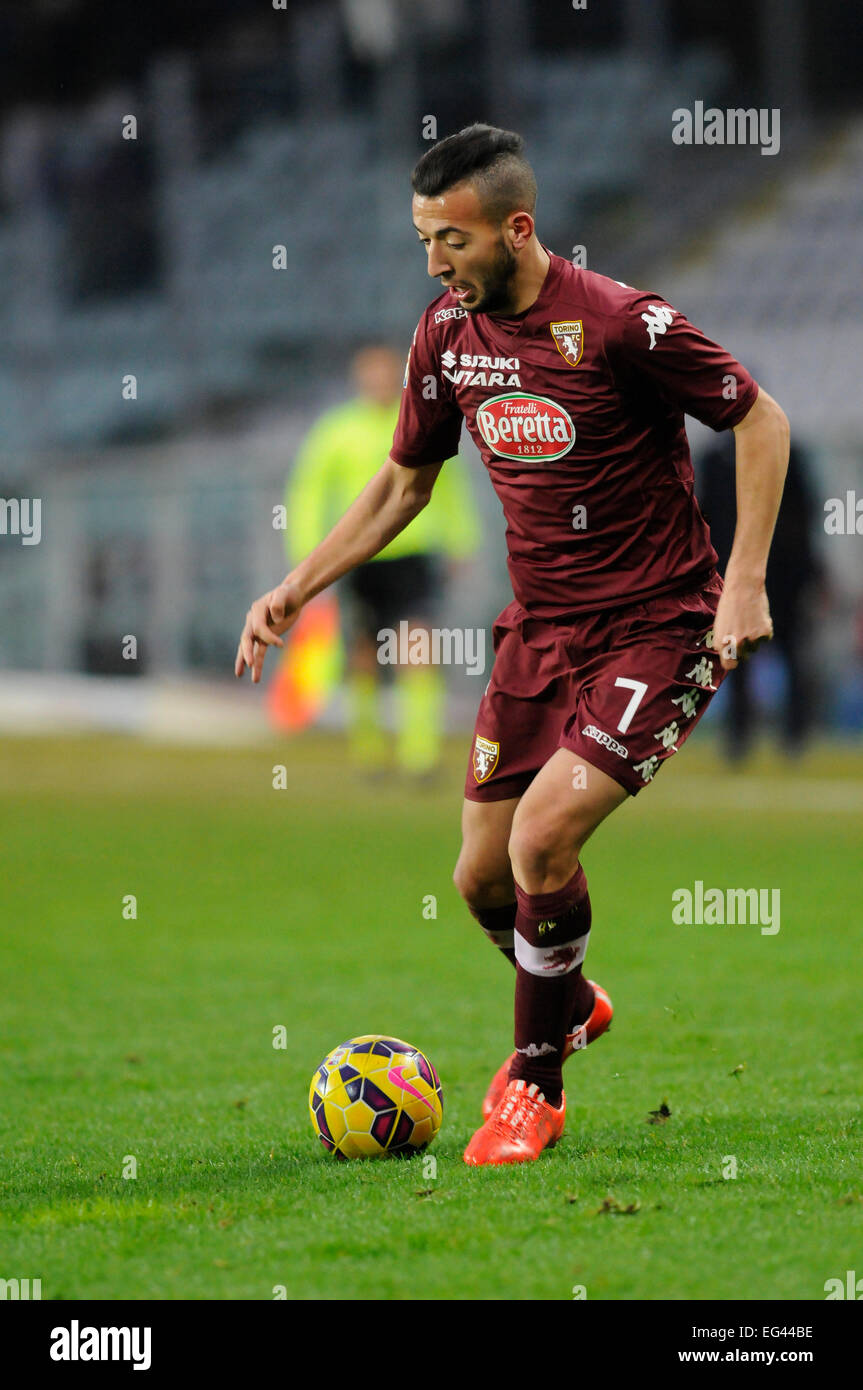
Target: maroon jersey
<point>577,409</point>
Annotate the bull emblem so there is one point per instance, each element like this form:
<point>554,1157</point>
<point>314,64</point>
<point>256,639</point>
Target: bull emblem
<point>485,756</point>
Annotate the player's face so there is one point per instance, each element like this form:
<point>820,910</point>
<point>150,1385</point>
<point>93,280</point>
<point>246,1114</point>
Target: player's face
<point>471,256</point>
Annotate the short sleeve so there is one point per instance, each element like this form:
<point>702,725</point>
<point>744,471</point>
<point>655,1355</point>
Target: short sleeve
<point>653,343</point>
<point>429,423</point>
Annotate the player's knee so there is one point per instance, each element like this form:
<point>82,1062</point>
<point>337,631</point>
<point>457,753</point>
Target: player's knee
<point>529,851</point>
<point>540,856</point>
<point>482,884</point>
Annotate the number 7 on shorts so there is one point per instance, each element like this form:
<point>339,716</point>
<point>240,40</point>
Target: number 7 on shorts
<point>638,689</point>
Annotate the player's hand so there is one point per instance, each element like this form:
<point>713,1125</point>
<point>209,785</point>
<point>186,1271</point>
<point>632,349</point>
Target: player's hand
<point>742,623</point>
<point>269,616</point>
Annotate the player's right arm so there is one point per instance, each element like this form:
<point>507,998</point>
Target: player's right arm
<point>428,429</point>
<point>387,504</point>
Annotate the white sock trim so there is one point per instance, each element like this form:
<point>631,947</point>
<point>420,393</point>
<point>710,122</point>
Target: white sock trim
<point>550,960</point>
<point>502,939</point>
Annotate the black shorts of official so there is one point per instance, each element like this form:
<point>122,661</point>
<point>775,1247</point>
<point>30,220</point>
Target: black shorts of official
<point>382,593</point>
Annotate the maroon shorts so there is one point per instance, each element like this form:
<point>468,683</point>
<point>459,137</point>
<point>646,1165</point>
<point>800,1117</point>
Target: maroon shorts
<point>621,689</point>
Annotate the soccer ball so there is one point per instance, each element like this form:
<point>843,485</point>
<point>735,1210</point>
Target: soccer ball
<point>374,1096</point>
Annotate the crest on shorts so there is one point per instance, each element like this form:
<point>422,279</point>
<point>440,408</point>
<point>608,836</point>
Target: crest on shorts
<point>569,340</point>
<point>485,756</point>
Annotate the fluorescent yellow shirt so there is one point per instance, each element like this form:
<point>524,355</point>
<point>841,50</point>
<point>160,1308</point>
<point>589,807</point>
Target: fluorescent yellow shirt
<point>339,455</point>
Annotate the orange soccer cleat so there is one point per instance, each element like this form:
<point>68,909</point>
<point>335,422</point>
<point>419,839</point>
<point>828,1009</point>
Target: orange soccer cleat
<point>521,1125</point>
<point>597,1023</point>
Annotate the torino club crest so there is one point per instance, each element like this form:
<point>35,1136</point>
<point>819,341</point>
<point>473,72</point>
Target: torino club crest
<point>485,756</point>
<point>569,340</point>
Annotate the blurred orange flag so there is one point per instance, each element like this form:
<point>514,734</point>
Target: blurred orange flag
<point>310,666</point>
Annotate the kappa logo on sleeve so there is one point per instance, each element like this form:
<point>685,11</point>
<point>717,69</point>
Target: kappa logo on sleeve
<point>569,340</point>
<point>657,321</point>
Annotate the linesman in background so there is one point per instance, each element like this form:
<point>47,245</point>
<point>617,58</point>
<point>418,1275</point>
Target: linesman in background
<point>405,581</point>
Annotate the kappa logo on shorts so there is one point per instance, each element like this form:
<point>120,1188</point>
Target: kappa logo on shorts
<point>606,740</point>
<point>485,756</point>
<point>569,340</point>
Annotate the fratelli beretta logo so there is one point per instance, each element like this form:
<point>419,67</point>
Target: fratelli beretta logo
<point>524,427</point>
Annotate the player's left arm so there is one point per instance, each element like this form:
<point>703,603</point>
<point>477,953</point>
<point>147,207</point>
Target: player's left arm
<point>743,615</point>
<point>652,342</point>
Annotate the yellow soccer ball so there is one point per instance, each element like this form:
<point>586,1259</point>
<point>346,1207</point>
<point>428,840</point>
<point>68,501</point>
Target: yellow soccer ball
<point>375,1096</point>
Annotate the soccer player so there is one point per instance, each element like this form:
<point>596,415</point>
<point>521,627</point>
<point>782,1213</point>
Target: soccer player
<point>574,387</point>
<point>342,450</point>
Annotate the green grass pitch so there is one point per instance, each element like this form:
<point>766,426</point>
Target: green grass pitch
<point>152,1039</point>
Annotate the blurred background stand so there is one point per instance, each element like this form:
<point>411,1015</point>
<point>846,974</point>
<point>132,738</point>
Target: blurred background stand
<point>285,138</point>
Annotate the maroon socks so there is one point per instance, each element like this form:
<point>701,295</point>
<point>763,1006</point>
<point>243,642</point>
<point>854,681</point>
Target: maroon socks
<point>551,994</point>
<point>545,937</point>
<point>498,923</point>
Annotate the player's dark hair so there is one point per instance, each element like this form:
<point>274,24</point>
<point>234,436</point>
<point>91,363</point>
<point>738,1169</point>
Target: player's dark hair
<point>489,159</point>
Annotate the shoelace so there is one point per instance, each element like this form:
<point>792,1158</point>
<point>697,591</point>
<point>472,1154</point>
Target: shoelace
<point>520,1107</point>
